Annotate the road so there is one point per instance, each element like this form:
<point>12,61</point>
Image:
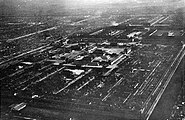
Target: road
<point>49,75</point>
<point>165,105</point>
<point>153,23</point>
<point>78,78</point>
<point>126,20</point>
<point>38,32</point>
<point>165,19</point>
<point>153,33</point>
<point>78,22</point>
<point>178,59</point>
<point>25,53</point>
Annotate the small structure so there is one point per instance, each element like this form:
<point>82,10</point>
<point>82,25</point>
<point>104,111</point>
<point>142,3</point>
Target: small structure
<point>18,107</point>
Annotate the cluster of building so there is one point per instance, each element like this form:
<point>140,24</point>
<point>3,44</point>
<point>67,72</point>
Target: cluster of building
<point>118,70</point>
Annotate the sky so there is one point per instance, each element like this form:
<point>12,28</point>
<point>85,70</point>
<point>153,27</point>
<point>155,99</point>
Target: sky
<point>82,3</point>
<point>35,4</point>
<point>79,3</point>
